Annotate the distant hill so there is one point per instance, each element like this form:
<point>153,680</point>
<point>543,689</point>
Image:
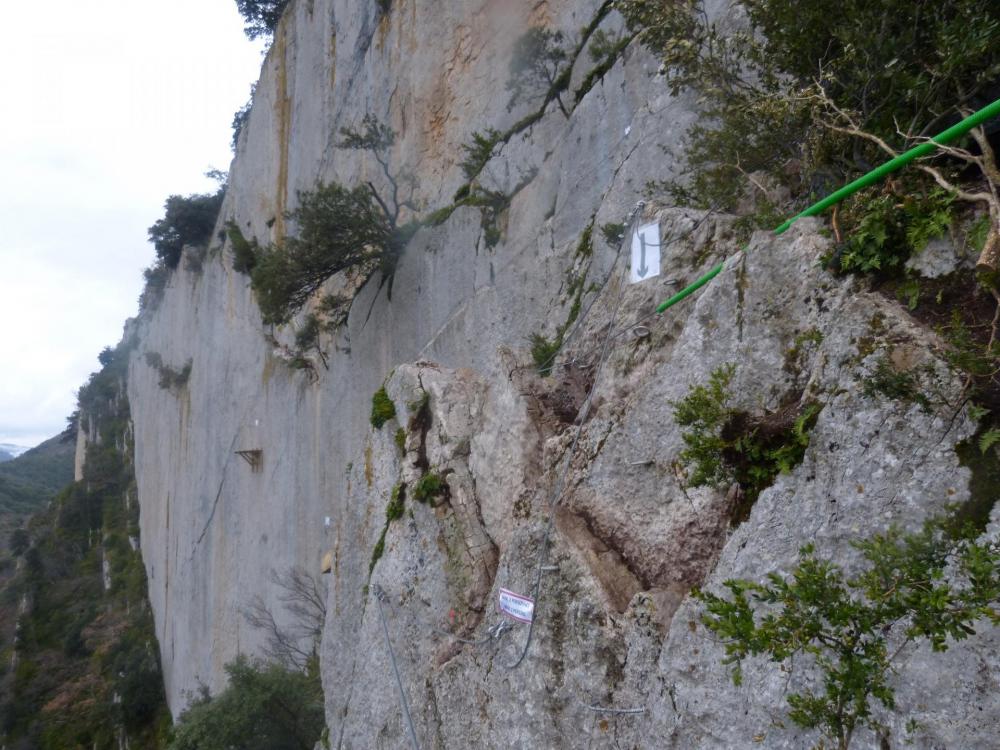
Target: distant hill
<point>12,450</point>
<point>32,478</point>
<point>5,456</point>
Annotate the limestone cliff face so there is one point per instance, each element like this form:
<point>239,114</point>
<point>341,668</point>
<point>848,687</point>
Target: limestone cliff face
<point>615,628</point>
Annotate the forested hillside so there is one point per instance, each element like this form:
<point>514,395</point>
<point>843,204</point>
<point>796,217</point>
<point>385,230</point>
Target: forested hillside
<point>79,666</point>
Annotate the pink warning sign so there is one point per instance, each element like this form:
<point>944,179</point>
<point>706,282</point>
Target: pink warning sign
<point>519,607</point>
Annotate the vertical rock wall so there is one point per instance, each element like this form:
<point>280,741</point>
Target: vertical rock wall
<point>614,628</point>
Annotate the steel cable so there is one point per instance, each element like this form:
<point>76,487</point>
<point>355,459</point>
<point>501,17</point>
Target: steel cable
<point>379,596</point>
<point>582,420</point>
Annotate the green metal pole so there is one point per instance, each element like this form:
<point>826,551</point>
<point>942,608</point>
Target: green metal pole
<point>955,131</point>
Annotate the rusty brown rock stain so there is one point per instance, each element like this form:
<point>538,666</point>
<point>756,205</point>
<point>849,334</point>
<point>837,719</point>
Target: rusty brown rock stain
<point>333,61</point>
<point>606,564</point>
<point>369,471</point>
<point>283,116</point>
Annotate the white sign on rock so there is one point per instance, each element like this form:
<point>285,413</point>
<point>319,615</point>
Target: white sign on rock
<point>519,607</point>
<point>645,253</point>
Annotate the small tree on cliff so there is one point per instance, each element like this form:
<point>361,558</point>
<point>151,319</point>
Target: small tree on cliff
<point>262,16</point>
<point>338,229</point>
<point>294,643</point>
<point>186,221</point>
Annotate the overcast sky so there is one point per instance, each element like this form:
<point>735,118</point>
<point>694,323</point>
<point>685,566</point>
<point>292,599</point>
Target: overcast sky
<point>108,107</point>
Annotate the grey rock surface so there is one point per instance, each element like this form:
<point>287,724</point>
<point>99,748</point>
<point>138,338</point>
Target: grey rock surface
<point>615,628</point>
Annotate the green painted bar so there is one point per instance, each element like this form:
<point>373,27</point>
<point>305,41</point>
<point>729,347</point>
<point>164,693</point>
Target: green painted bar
<point>690,288</point>
<point>955,131</point>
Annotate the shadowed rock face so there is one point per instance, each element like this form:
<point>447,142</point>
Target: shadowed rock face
<point>628,540</point>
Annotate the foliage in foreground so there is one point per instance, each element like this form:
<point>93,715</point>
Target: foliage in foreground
<point>847,632</point>
<point>264,706</point>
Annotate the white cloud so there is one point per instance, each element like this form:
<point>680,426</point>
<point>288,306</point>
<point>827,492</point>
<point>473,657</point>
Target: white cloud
<point>109,107</point>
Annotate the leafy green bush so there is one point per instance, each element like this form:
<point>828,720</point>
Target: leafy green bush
<point>241,116</point>
<point>135,663</point>
<point>393,512</point>
<point>543,352</point>
<point>968,354</point>
<point>887,229</point>
<point>492,204</point>
<point>377,551</point>
<point>728,446</point>
<point>613,233</point>
<point>245,252</point>
<point>428,487</point>
<point>265,706</point>
<point>186,221</point>
<point>339,229</point>
<point>930,587</point>
<point>382,408</point>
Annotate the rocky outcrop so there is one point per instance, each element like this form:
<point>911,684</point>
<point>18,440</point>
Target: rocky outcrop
<point>532,478</point>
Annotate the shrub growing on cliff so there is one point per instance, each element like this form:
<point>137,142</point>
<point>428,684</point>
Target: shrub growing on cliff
<point>382,408</point>
<point>241,116</point>
<point>245,252</point>
<point>339,229</point>
<point>293,642</point>
<point>171,379</point>
<point>430,486</point>
<point>265,705</point>
<point>478,153</point>
<point>930,587</point>
<point>354,230</point>
<point>186,221</point>
<point>726,446</point>
<point>261,16</point>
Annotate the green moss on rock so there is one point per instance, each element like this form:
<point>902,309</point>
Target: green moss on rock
<point>382,408</point>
